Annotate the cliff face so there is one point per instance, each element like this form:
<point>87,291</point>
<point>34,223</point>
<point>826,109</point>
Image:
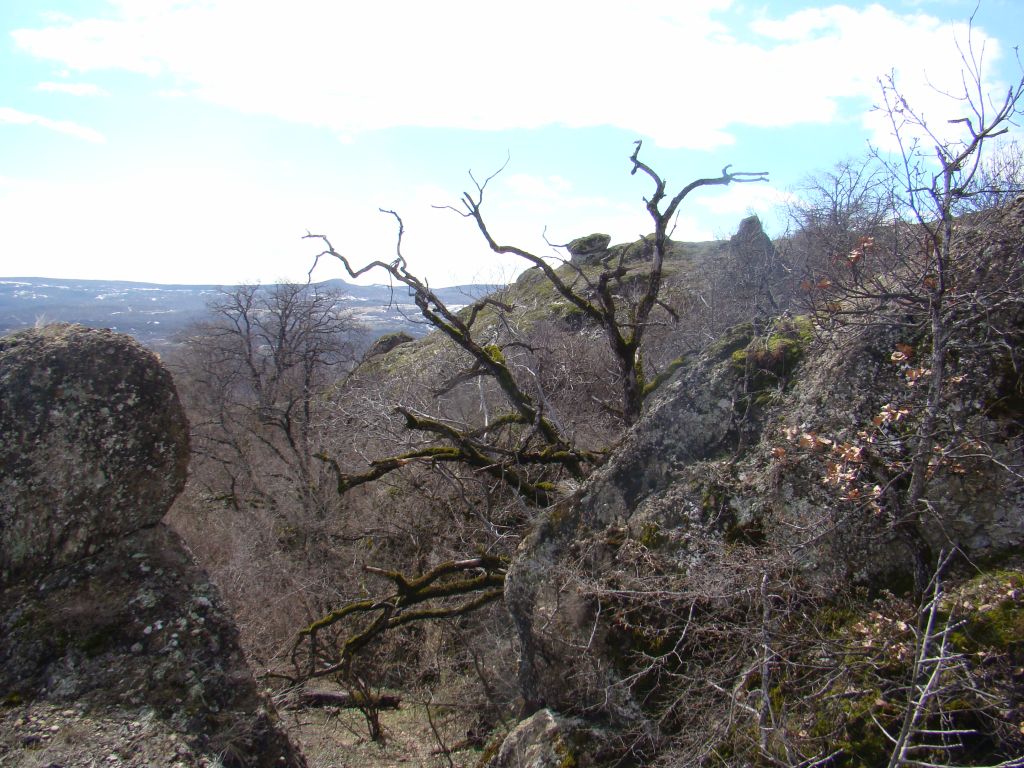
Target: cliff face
<point>113,644</point>
<point>762,492</point>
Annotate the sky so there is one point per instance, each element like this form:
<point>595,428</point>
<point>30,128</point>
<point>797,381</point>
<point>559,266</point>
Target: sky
<point>197,141</point>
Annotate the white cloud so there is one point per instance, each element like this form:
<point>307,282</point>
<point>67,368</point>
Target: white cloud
<point>845,52</point>
<point>72,89</point>
<point>672,71</point>
<point>544,187</point>
<point>155,224</point>
<point>669,70</point>
<point>797,26</point>
<point>167,224</point>
<point>182,224</point>
<point>97,44</point>
<point>741,198</point>
<point>17,117</point>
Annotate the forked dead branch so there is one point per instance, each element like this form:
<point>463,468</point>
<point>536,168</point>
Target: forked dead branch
<point>532,438</point>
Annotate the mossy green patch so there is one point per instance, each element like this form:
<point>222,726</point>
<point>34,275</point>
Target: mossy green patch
<point>992,606</point>
<point>566,756</point>
<point>778,352</point>
<point>714,498</point>
<point>736,338</point>
<point>652,536</point>
<point>494,352</point>
<point>850,726</point>
<point>1001,628</point>
<point>766,363</point>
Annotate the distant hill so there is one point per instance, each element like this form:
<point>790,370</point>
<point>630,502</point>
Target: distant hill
<point>154,313</point>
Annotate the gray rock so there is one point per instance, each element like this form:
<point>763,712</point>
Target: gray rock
<point>752,274</point>
<point>137,632</point>
<point>751,239</point>
<point>547,740</point>
<point>693,420</point>
<point>534,743</point>
<point>742,454</point>
<point>589,250</point>
<point>586,247</point>
<point>93,444</point>
<point>101,607</point>
<point>386,343</point>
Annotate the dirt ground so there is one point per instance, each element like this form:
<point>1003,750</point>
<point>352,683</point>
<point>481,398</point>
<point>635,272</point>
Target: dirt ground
<point>338,738</point>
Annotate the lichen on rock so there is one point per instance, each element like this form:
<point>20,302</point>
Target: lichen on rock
<point>547,740</point>
<point>103,612</point>
<point>93,444</point>
<point>761,490</point>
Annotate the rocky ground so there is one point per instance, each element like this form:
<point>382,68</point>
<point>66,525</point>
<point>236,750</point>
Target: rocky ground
<point>44,735</point>
<point>74,736</point>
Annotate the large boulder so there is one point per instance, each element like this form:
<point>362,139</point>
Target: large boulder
<point>589,249</point>
<point>693,422</point>
<point>114,646</point>
<point>93,444</point>
<point>386,343</point>
<point>131,653</point>
<point>751,242</point>
<point>546,740</point>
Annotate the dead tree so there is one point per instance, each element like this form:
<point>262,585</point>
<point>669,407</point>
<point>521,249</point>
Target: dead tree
<point>330,646</point>
<point>539,441</point>
<point>439,593</point>
<point>599,301</point>
<point>522,446</point>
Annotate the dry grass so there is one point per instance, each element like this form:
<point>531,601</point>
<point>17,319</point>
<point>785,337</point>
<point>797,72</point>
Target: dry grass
<point>337,739</point>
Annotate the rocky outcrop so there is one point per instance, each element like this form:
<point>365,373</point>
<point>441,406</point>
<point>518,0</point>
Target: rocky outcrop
<point>545,740</point>
<point>751,273</point>
<point>697,419</point>
<point>113,644</point>
<point>595,249</point>
<point>386,343</point>
<point>93,445</point>
<point>780,450</point>
<point>751,242</point>
<point>588,249</point>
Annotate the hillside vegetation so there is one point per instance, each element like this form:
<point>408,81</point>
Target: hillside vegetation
<point>732,503</point>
